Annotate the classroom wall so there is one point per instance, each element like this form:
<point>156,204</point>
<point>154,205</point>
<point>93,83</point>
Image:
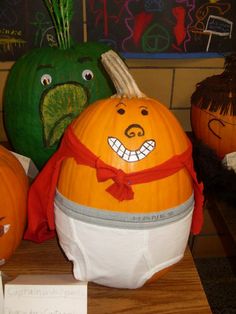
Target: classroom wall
<point>171,81</point>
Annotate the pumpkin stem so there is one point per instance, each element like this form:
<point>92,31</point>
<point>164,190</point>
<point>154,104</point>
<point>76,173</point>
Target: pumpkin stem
<point>123,81</point>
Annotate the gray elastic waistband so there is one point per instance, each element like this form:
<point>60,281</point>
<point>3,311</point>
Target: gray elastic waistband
<point>120,219</point>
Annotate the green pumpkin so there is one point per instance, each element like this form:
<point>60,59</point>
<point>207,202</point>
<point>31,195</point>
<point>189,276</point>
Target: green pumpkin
<point>46,89</point>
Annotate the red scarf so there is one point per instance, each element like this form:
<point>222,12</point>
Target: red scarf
<point>41,225</point>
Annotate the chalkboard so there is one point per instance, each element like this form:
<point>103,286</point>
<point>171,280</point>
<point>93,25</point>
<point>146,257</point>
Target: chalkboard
<point>26,24</point>
<point>135,28</point>
<point>155,27</point>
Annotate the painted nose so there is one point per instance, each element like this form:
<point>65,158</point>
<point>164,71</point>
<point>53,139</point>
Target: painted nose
<point>134,130</point>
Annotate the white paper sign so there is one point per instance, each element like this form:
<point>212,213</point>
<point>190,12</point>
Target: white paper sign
<point>230,160</point>
<point>1,294</point>
<point>45,294</point>
<point>28,165</point>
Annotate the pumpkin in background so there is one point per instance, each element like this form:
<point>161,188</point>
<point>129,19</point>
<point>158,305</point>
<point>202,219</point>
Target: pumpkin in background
<point>46,89</point>
<point>13,199</point>
<point>49,86</point>
<point>213,110</point>
<point>124,188</point>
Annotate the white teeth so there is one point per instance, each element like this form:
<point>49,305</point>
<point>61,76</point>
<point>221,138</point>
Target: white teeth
<point>120,153</point>
<point>125,157</point>
<point>131,155</point>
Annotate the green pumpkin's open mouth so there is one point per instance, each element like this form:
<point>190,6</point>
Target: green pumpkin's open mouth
<point>59,106</point>
<point>131,155</point>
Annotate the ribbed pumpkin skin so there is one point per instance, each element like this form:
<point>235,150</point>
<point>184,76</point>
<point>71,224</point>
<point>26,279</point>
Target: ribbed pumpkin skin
<point>214,129</point>
<point>101,120</point>
<point>30,106</point>
<point>13,198</point>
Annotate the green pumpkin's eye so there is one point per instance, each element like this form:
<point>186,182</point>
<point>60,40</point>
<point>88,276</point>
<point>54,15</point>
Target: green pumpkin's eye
<point>46,79</point>
<point>87,75</point>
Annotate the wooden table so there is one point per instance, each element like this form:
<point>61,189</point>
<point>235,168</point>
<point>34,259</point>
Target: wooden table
<point>179,291</point>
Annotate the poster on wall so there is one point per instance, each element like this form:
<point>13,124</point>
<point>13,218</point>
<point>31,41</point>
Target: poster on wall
<point>135,28</point>
<point>151,28</point>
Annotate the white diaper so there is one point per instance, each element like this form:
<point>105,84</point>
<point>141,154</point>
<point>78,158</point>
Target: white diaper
<point>121,250</point>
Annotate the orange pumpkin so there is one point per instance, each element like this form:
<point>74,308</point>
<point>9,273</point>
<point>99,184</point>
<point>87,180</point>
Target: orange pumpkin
<point>124,201</point>
<point>213,110</point>
<point>134,121</point>
<point>132,134</point>
<point>13,196</point>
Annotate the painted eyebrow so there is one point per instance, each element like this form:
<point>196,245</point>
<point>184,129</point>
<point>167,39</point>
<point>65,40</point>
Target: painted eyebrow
<point>84,59</point>
<point>143,107</point>
<point>121,103</point>
<point>44,66</point>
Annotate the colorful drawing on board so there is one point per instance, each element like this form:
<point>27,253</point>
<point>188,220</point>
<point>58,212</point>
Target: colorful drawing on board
<point>26,24</point>
<point>211,20</point>
<point>10,34</point>
<point>132,27</point>
<point>44,30</point>
<point>23,26</point>
<point>162,26</point>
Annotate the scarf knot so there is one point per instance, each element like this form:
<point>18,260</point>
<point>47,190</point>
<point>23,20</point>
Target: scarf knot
<point>121,188</point>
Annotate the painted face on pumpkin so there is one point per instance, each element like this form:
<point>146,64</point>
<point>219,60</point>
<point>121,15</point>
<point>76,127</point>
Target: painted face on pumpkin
<point>132,132</point>
<point>4,228</point>
<point>215,129</point>
<point>53,86</point>
<point>217,123</point>
<point>129,131</point>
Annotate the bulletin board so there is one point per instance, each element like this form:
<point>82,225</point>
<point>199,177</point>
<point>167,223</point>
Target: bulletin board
<point>26,24</point>
<point>135,28</point>
<point>155,28</point>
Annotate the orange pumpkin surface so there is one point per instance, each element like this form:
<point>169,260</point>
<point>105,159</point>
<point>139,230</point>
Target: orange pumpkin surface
<point>214,129</point>
<point>13,196</point>
<point>213,109</point>
<point>131,121</point>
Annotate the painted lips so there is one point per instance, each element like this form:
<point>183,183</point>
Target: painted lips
<point>131,155</point>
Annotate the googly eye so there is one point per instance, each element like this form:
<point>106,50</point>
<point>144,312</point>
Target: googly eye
<point>121,111</point>
<point>87,75</point>
<point>46,79</point>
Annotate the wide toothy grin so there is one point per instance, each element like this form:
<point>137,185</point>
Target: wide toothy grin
<point>131,155</point>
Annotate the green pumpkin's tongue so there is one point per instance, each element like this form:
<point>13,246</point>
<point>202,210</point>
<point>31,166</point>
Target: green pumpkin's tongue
<point>59,107</point>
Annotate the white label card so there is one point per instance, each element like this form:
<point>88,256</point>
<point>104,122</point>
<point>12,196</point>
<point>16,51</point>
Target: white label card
<point>1,294</point>
<point>28,165</point>
<point>45,294</point>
